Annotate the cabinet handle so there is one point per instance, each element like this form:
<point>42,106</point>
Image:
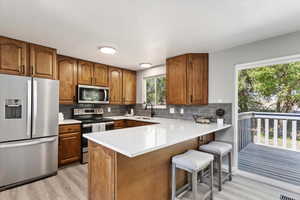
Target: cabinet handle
<point>191,98</point>
<point>31,70</point>
<point>23,68</point>
<point>91,79</point>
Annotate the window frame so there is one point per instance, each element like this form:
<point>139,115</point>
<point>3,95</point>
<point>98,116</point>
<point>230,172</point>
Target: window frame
<point>145,90</point>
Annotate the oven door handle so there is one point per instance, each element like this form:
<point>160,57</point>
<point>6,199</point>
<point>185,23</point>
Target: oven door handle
<point>90,125</point>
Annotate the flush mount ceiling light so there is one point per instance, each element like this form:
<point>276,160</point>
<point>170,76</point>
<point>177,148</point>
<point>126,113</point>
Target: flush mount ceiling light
<point>145,65</point>
<point>108,50</point>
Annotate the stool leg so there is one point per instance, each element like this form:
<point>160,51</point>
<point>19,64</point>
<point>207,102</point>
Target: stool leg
<point>189,176</point>
<point>220,172</point>
<point>173,182</point>
<point>211,179</point>
<point>201,176</point>
<point>230,165</point>
<point>194,187</point>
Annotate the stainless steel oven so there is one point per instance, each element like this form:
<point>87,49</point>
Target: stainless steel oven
<point>93,94</point>
<point>88,128</point>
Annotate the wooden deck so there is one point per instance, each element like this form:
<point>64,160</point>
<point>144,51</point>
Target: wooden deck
<point>283,165</point>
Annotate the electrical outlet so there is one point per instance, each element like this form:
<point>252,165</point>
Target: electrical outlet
<point>172,110</point>
<point>108,109</point>
<point>182,111</point>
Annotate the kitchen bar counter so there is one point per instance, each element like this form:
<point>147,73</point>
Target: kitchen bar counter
<point>135,163</point>
<point>136,141</point>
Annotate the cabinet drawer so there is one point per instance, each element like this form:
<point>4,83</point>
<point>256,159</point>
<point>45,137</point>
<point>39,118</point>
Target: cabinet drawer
<point>69,128</point>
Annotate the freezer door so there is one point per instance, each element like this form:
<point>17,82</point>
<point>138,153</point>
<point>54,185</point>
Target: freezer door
<point>15,108</point>
<point>45,107</point>
<point>26,160</point>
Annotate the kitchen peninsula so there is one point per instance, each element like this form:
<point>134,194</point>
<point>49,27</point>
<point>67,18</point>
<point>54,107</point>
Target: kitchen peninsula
<point>134,163</point>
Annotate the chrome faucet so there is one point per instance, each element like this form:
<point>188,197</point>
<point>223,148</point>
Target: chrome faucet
<point>151,108</point>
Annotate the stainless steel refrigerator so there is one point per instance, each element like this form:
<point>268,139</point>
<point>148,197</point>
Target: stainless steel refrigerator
<point>28,129</point>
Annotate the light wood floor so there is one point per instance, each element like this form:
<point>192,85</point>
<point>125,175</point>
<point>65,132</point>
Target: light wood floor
<point>71,184</point>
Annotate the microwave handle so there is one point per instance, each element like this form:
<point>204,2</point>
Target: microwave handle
<point>105,93</point>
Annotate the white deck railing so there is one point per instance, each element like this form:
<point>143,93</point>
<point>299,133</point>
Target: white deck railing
<point>274,129</point>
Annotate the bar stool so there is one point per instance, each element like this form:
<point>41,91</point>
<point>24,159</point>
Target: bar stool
<point>220,150</point>
<point>193,162</point>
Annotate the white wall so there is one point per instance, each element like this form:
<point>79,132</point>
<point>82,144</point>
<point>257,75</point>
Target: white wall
<point>221,66</point>
<point>155,71</point>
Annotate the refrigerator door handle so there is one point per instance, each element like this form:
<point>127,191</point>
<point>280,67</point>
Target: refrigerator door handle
<point>22,144</point>
<point>28,131</point>
<point>34,106</point>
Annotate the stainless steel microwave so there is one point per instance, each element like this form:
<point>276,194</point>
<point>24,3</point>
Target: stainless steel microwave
<point>93,94</point>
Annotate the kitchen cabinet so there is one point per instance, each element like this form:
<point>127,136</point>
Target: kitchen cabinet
<point>187,79</point>
<point>85,72</point>
<point>67,75</point>
<point>119,124</point>
<point>134,123</point>
<point>69,144</point>
<point>115,85</point>
<point>13,56</point>
<point>126,123</point>
<point>92,74</point>
<point>100,75</point>
<point>129,87</point>
<point>42,62</point>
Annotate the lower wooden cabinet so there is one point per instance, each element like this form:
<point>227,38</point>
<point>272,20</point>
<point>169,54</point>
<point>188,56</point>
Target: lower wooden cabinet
<point>118,124</point>
<point>69,144</point>
<point>126,123</point>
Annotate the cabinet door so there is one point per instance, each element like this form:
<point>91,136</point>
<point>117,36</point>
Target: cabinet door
<point>100,75</point>
<point>13,56</point>
<point>129,87</point>
<point>85,73</point>
<point>176,80</point>
<point>115,85</point>
<point>42,61</point>
<point>197,77</point>
<point>67,75</point>
<point>69,148</point>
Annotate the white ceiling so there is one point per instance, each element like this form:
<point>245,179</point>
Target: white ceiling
<point>145,30</point>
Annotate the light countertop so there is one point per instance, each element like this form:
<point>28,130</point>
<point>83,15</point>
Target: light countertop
<point>136,141</point>
<point>69,121</point>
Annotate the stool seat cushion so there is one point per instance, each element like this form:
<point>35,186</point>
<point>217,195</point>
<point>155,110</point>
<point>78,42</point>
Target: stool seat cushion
<point>193,160</point>
<point>219,148</point>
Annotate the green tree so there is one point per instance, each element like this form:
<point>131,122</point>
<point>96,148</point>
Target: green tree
<point>277,83</point>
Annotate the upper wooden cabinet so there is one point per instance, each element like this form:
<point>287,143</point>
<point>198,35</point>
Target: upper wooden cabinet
<point>100,75</point>
<point>129,87</point>
<point>187,79</point>
<point>85,72</point>
<point>13,56</point>
<point>92,74</point>
<point>42,62</point>
<point>197,79</point>
<point>115,85</point>
<point>176,80</point>
<point>67,75</point>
